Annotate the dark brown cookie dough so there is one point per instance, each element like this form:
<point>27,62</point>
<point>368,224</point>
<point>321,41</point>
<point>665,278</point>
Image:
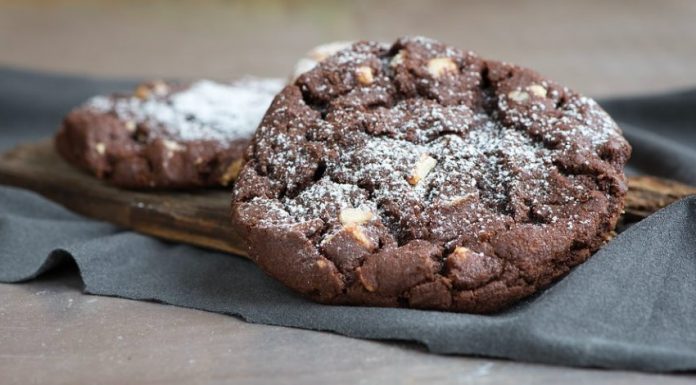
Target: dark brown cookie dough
<point>167,135</point>
<point>420,175</point>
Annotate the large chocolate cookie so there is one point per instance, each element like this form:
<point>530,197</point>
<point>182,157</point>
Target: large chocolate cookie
<point>421,175</point>
<point>167,135</point>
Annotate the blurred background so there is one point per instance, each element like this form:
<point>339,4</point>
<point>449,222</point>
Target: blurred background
<point>600,48</point>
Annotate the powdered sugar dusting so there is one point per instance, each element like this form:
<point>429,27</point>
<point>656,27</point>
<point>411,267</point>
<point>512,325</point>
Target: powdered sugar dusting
<point>496,154</point>
<point>440,180</point>
<point>205,110</point>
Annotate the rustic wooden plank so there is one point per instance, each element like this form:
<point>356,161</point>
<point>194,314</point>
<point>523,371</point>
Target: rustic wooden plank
<point>201,217</point>
<point>648,194</point>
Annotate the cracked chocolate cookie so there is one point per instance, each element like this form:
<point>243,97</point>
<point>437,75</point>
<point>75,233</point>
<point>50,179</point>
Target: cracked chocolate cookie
<point>166,135</point>
<point>420,175</point>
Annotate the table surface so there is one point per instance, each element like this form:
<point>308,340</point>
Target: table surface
<point>51,332</point>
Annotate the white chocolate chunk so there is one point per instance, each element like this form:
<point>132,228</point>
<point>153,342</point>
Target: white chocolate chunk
<point>100,147</point>
<point>397,59</point>
<point>364,75</point>
<point>321,264</point>
<point>441,65</point>
<point>537,90</point>
<point>518,96</point>
<point>358,234</point>
<point>424,165</point>
<point>461,252</point>
<point>172,146</point>
<point>354,216</point>
<point>130,125</point>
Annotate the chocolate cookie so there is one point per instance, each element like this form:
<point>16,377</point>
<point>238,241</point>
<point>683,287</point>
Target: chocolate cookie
<point>420,175</point>
<point>167,135</point>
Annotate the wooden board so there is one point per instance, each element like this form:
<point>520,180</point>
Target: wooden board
<point>201,217</point>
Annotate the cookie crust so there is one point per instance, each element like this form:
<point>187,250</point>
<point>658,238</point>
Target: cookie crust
<point>420,175</point>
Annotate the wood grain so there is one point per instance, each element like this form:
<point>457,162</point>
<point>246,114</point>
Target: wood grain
<point>201,217</point>
<point>648,194</point>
